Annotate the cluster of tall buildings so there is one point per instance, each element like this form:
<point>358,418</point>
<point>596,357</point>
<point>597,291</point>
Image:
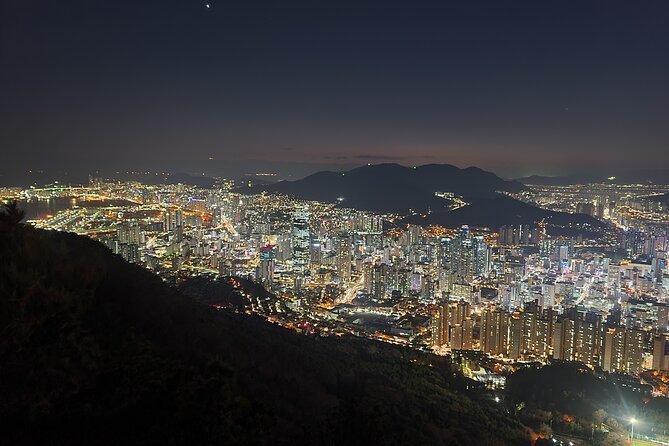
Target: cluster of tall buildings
<point>516,235</point>
<point>328,254</point>
<point>536,334</point>
<point>518,293</point>
<point>128,241</point>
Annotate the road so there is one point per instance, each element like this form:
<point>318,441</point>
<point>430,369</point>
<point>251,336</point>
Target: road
<point>352,291</point>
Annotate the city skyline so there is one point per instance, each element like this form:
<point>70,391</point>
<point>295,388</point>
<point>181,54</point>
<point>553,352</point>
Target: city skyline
<point>334,223</point>
<point>590,291</point>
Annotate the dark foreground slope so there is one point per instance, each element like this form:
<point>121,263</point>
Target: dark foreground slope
<point>97,351</point>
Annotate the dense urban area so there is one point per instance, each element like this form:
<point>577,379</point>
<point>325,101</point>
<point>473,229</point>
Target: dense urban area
<point>496,300</point>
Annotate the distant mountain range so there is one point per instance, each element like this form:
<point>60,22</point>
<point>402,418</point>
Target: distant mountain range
<point>392,188</point>
<point>613,177</point>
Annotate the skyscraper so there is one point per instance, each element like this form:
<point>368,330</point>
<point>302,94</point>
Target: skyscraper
<point>660,353</point>
<point>494,332</point>
<point>441,325</point>
<point>481,258</point>
<point>344,257</point>
<point>634,347</point>
<point>265,269</point>
<point>168,224</point>
<point>578,339</point>
<point>300,240</point>
<point>613,350</point>
<point>462,264</point>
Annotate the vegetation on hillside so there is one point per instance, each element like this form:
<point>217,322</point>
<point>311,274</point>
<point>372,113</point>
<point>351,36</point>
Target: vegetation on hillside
<point>94,350</point>
<point>569,398</point>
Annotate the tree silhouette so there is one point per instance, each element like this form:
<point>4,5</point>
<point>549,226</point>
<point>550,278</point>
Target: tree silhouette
<point>10,215</point>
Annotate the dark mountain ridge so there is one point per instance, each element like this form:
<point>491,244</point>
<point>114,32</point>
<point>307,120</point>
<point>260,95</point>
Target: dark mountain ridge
<point>487,211</point>
<point>393,188</point>
<point>98,351</point>
<point>409,191</point>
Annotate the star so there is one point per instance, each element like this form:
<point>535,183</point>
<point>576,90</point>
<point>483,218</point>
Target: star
<point>207,5</point>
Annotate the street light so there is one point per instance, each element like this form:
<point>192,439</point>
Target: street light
<point>632,421</point>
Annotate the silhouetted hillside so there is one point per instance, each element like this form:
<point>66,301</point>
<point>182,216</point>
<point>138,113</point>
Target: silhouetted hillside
<point>391,188</point>
<point>234,293</point>
<point>488,212</point>
<point>394,188</point>
<point>94,350</point>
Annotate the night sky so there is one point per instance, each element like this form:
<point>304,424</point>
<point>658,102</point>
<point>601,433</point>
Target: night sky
<point>517,87</point>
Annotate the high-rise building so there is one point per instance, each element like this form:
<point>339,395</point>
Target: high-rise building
<point>564,338</point>
<point>344,258</point>
<point>129,233</point>
<point>468,334</point>
<point>168,224</point>
<point>586,344</point>
<point>367,272</point>
<point>577,337</point>
<point>415,235</point>
<point>634,348</point>
<point>129,252</point>
<point>613,350</point>
<point>622,350</point>
<point>660,353</point>
<point>481,256</point>
<point>315,255</point>
<point>462,263</point>
<point>380,281</point>
<point>440,325</point>
<point>494,332</point>
<point>519,235</point>
<point>301,242</point>
<point>266,264</point>
<point>515,336</point>
<point>460,311</point>
<point>457,334</point>
<point>537,331</point>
